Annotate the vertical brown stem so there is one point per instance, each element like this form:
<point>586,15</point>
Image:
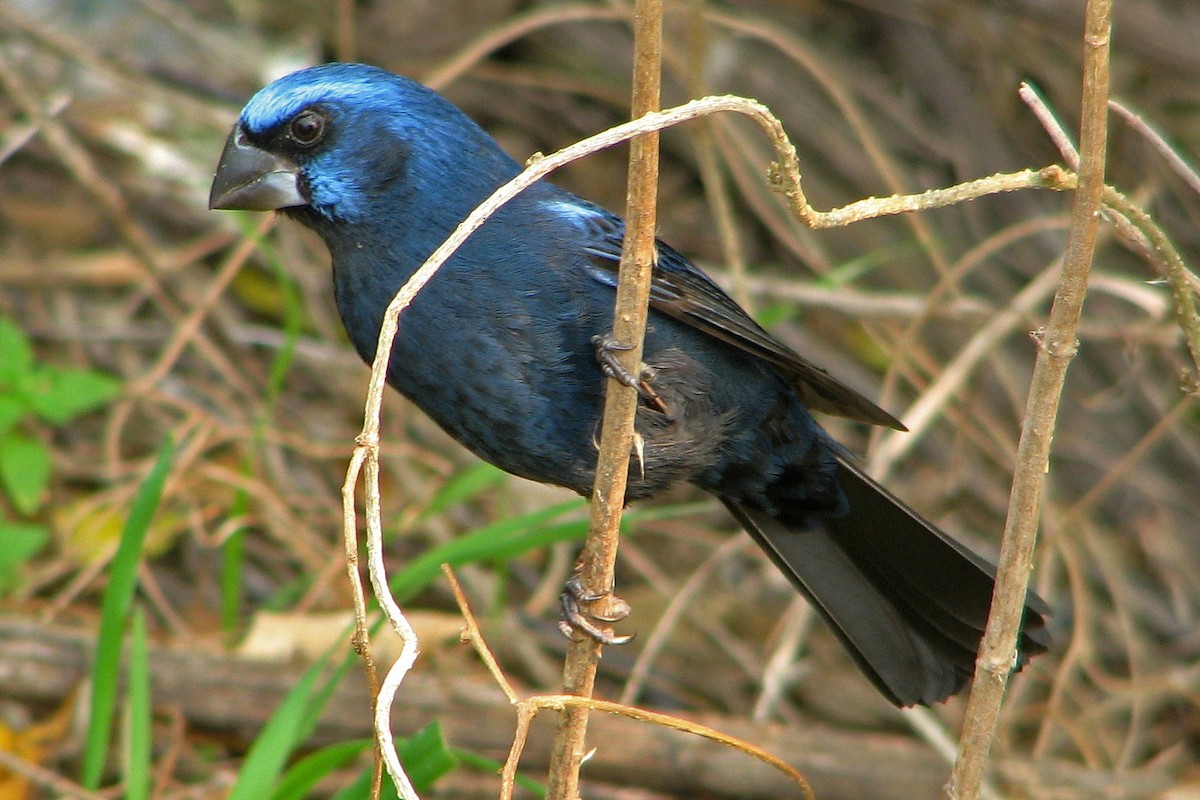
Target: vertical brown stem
<point>612,468</point>
<point>1057,346</point>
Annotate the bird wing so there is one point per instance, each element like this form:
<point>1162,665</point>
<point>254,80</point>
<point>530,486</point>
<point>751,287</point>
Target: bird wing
<point>680,290</point>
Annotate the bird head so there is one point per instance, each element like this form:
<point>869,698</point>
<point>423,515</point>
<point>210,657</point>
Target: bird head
<point>340,142</point>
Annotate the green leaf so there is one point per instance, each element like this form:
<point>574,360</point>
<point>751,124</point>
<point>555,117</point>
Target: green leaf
<point>16,354</point>
<point>24,471</point>
<point>64,394</point>
<point>11,411</point>
<point>21,543</point>
<point>425,757</point>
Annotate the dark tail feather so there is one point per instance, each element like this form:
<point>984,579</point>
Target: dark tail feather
<point>909,602</point>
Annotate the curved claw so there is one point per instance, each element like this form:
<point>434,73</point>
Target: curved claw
<point>606,349</point>
<point>572,618</point>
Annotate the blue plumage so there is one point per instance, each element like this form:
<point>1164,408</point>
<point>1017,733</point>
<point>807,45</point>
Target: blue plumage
<point>498,349</point>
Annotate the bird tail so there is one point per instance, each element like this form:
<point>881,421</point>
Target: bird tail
<point>908,602</point>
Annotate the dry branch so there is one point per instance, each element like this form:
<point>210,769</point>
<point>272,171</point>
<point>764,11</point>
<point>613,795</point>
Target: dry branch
<point>1057,346</point>
<point>598,559</point>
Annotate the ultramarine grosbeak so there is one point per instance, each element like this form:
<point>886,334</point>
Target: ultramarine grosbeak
<point>505,349</point>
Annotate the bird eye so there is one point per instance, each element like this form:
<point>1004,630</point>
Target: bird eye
<point>307,127</point>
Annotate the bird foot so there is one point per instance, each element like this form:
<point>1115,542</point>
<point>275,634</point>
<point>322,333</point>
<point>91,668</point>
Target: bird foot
<point>606,349</point>
<point>573,618</point>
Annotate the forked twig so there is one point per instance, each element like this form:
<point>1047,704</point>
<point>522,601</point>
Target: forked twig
<point>1174,160</point>
<point>528,708</point>
<point>1136,226</point>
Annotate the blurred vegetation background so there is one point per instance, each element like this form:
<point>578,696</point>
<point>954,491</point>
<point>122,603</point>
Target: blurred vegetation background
<point>130,314</point>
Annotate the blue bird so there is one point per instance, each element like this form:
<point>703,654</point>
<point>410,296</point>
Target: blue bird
<point>506,349</point>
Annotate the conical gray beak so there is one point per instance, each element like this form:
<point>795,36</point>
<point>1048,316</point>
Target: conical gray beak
<point>252,179</point>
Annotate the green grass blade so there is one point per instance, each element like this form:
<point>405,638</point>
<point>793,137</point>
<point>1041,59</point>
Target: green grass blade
<point>505,539</point>
<point>232,553</point>
<point>290,725</point>
<point>360,788</point>
<point>463,485</point>
<point>302,776</point>
<point>118,597</point>
<point>508,538</point>
<point>293,325</point>
<point>137,714</point>
<point>264,763</point>
<point>229,575</point>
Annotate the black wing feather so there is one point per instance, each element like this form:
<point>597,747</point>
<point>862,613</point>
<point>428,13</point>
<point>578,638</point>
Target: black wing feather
<point>683,292</point>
